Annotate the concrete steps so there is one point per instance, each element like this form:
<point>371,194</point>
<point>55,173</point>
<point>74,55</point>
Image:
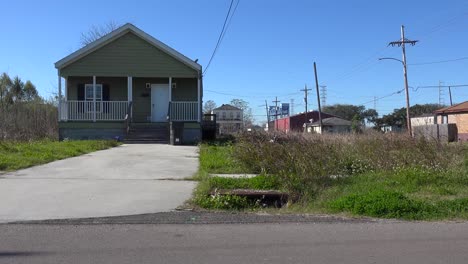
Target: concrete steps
<point>148,133</point>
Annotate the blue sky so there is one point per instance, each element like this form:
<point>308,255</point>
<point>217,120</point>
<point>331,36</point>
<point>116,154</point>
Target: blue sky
<point>269,48</point>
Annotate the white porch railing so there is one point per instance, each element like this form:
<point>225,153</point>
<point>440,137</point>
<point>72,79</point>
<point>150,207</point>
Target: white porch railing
<point>184,111</point>
<point>84,110</point>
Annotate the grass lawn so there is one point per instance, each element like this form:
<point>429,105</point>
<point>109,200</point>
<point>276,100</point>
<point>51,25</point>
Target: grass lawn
<point>218,159</point>
<point>409,192</point>
<point>19,155</point>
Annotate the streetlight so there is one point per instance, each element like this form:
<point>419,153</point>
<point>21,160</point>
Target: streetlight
<point>408,119</point>
<point>401,43</point>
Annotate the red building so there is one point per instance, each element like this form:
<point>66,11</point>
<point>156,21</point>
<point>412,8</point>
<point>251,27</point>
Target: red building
<point>295,123</point>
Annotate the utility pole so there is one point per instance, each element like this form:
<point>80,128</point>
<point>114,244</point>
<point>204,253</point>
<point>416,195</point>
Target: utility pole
<point>266,109</point>
<point>401,43</point>
<point>450,94</point>
<point>375,103</point>
<point>323,94</point>
<point>291,110</point>
<point>318,98</point>
<point>276,112</point>
<point>306,91</point>
<point>441,94</point>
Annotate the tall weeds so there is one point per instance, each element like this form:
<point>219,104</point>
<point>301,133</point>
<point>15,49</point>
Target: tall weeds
<point>28,121</point>
<point>308,162</point>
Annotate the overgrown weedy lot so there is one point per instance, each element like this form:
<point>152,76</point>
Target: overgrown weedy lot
<point>372,174</point>
<point>16,155</point>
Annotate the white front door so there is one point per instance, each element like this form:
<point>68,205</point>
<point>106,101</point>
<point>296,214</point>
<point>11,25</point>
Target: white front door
<point>159,102</point>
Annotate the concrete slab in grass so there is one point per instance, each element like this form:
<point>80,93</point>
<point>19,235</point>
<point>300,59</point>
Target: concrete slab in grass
<point>234,175</point>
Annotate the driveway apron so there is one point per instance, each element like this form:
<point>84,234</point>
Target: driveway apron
<point>126,180</point>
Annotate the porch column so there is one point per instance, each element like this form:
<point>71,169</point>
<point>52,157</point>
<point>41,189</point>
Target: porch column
<point>170,89</point>
<point>94,98</point>
<point>66,89</point>
<point>199,98</point>
<point>130,92</point>
<point>65,100</point>
<point>59,96</point>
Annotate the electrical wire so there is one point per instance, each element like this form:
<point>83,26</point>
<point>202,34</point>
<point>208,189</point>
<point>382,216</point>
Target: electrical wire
<point>385,96</point>
<point>221,35</point>
<point>442,61</point>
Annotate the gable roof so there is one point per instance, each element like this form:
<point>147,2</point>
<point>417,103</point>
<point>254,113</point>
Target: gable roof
<point>97,44</point>
<point>227,107</point>
<point>458,108</point>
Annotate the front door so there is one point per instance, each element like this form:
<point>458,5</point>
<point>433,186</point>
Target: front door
<point>159,102</point>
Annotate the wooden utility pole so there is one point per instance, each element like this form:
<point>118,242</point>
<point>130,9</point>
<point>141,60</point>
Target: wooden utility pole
<point>276,112</point>
<point>450,94</point>
<point>318,98</point>
<point>306,91</point>
<point>402,43</point>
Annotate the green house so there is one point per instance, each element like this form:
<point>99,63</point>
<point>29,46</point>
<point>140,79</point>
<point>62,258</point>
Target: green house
<point>131,86</point>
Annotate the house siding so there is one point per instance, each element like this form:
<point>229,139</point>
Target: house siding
<point>186,89</point>
<point>142,98</point>
<point>129,55</point>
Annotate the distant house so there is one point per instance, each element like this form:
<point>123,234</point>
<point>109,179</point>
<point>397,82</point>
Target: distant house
<point>295,123</point>
<point>332,125</point>
<point>423,120</point>
<point>229,119</point>
<point>127,84</point>
<point>456,114</point>
<point>395,128</point>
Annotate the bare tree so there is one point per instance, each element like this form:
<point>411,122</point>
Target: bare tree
<point>209,106</point>
<point>246,110</point>
<point>96,32</point>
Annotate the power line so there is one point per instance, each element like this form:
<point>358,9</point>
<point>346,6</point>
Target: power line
<point>250,95</point>
<point>436,62</point>
<point>385,96</point>
<point>444,24</point>
<point>221,34</point>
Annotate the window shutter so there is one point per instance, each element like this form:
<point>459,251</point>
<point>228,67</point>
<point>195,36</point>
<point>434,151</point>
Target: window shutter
<point>80,97</point>
<point>105,97</point>
<point>81,92</point>
<point>105,92</point>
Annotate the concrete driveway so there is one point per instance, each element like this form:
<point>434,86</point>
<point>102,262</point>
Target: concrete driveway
<point>130,179</point>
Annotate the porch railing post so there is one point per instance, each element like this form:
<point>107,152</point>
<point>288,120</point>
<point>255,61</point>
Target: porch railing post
<point>130,93</point>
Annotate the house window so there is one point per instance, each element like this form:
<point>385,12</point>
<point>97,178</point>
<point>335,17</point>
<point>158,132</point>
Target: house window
<point>89,96</point>
<point>224,116</point>
<point>89,92</point>
<point>231,115</point>
<point>238,116</point>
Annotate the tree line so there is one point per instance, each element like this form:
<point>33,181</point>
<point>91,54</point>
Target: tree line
<point>24,114</point>
<point>358,114</point>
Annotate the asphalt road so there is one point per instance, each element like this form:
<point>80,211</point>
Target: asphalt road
<point>334,242</point>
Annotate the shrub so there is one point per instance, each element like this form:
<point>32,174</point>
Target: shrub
<point>222,202</point>
<point>381,203</point>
